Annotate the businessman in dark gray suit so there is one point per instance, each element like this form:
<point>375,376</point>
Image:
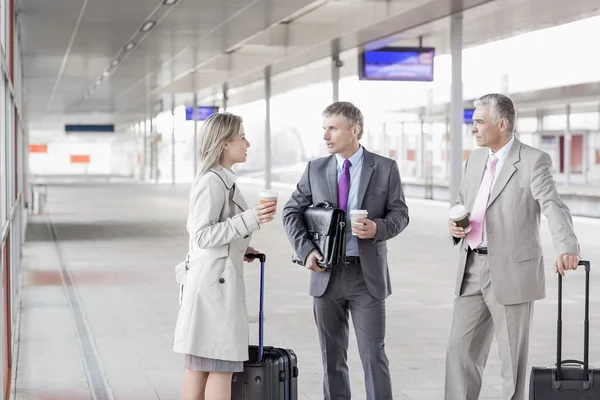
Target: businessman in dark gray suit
<point>351,178</point>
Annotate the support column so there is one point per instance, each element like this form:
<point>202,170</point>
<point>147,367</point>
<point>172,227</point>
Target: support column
<point>402,153</point>
<point>335,68</point>
<point>456,107</point>
<point>504,84</point>
<point>195,114</point>
<point>268,167</point>
<point>173,139</point>
<point>567,148</point>
<point>225,96</point>
<point>147,128</point>
<point>447,147</point>
<point>385,146</point>
<point>154,148</point>
<point>586,156</point>
<point>539,132</point>
<point>420,156</point>
<point>428,143</point>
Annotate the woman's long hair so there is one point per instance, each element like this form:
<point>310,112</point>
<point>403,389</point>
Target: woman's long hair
<point>218,129</point>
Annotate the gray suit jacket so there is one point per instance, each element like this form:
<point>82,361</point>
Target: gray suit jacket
<point>380,193</point>
<point>524,188</point>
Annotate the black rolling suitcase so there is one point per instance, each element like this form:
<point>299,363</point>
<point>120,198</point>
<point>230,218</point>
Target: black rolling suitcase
<point>568,379</point>
<point>271,373</point>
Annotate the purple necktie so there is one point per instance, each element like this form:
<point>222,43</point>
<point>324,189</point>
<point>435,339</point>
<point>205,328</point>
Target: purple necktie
<point>344,186</point>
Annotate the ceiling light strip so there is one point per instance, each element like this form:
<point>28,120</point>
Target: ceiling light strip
<point>187,48</point>
<point>147,26</point>
<point>66,56</point>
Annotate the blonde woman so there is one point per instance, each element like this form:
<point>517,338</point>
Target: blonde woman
<point>212,326</point>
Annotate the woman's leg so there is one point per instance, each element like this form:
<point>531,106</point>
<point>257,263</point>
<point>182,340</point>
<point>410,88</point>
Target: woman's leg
<point>218,386</point>
<point>194,384</point>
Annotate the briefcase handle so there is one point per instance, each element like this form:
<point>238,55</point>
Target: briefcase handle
<point>586,325</point>
<point>324,204</point>
<point>262,258</point>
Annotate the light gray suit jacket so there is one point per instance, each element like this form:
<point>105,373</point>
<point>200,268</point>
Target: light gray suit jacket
<point>524,188</point>
<point>380,193</point>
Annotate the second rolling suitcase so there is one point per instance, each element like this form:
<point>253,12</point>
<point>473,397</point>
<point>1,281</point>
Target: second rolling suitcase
<point>568,379</point>
<point>271,372</point>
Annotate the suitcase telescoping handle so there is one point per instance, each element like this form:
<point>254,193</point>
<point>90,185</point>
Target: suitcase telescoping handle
<point>262,258</point>
<point>586,325</point>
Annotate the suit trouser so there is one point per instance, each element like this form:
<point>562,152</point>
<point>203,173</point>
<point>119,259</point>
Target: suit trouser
<point>477,316</point>
<point>347,293</point>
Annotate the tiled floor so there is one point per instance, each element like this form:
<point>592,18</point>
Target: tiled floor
<point>113,299</point>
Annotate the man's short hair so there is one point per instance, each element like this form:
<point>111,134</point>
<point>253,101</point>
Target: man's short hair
<point>502,107</point>
<point>348,111</point>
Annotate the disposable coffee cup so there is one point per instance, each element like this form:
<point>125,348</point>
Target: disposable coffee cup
<point>357,214</point>
<point>268,196</point>
<point>460,216</point>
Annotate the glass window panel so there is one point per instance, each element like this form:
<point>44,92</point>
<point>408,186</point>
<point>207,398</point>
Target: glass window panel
<point>555,122</point>
<point>526,124</point>
<point>586,121</point>
<point>3,24</point>
<point>3,152</point>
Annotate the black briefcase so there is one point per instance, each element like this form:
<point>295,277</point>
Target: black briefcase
<point>568,379</point>
<point>326,228</point>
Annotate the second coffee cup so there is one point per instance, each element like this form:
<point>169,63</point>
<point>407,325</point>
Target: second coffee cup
<point>460,216</point>
<point>357,214</point>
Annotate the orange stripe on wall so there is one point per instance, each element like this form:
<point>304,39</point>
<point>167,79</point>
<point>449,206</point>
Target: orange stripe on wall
<point>80,158</point>
<point>38,148</point>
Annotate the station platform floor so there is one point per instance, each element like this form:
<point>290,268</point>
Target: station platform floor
<point>99,299</point>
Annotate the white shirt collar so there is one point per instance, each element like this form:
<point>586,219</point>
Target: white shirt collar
<point>503,152</point>
<point>229,173</point>
<point>354,158</point>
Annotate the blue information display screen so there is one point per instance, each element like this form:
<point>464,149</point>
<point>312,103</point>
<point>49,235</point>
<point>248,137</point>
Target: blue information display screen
<point>202,112</point>
<point>468,115</point>
<point>397,64</point>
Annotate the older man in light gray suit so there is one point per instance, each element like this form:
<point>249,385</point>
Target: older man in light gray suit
<point>350,178</point>
<point>506,185</point>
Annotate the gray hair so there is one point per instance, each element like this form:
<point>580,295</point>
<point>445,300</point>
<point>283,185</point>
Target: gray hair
<point>348,111</point>
<point>218,129</point>
<point>502,107</point>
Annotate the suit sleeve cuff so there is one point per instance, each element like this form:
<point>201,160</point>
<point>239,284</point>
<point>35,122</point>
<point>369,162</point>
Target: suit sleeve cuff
<point>569,249</point>
<point>380,234</point>
<point>246,222</point>
<point>305,251</point>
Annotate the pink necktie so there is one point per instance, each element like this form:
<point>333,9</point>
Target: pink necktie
<point>475,236</point>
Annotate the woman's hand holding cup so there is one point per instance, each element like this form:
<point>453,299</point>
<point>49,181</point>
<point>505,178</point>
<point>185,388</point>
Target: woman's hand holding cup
<point>264,212</point>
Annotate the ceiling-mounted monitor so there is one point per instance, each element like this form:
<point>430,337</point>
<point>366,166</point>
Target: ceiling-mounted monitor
<point>397,64</point>
<point>203,112</point>
<point>468,115</point>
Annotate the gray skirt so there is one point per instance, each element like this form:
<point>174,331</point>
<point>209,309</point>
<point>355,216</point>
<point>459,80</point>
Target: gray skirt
<point>195,363</point>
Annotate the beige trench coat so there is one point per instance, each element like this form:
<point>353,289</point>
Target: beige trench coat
<point>213,319</point>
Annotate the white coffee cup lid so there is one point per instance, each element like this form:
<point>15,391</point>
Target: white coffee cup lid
<point>358,211</point>
<point>267,193</point>
<point>458,211</point>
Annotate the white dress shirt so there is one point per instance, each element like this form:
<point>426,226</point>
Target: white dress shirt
<point>355,171</point>
<point>501,155</point>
